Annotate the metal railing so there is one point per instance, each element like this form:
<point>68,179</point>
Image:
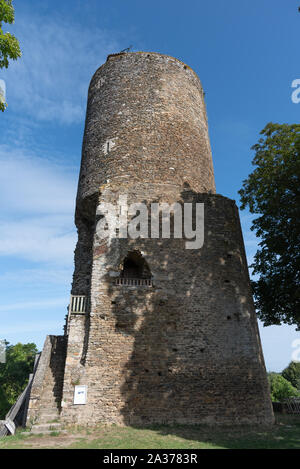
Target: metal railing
<point>129,282</point>
<point>292,405</point>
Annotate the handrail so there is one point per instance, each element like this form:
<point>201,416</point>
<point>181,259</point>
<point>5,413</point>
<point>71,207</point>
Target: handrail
<point>126,281</point>
<point>292,405</point>
<point>9,426</point>
<point>79,304</point>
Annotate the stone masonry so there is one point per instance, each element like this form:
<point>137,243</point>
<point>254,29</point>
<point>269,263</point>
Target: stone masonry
<point>164,334</point>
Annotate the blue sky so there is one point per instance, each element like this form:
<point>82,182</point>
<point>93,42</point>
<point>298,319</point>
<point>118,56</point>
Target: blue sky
<point>246,55</point>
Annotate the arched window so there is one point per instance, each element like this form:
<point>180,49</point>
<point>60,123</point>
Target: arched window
<point>135,267</point>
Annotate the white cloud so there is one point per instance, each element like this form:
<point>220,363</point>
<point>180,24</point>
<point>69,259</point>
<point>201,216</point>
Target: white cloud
<point>43,239</point>
<point>51,79</point>
<point>278,338</point>
<point>40,326</point>
<point>37,208</point>
<point>38,277</point>
<point>31,305</point>
<point>34,184</point>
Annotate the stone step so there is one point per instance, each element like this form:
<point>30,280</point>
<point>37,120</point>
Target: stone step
<point>52,410</point>
<point>48,397</point>
<point>48,418</point>
<point>46,428</point>
<point>49,410</point>
<point>46,432</point>
<point>48,400</point>
<point>48,423</point>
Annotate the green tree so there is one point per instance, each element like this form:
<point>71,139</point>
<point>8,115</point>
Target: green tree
<point>292,374</point>
<point>281,388</point>
<point>272,191</point>
<point>14,373</point>
<point>9,45</point>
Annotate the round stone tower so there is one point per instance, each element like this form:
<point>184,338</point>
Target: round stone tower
<point>146,123</point>
<point>159,330</point>
<point>146,135</point>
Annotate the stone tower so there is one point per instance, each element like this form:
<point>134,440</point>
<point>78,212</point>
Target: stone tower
<point>156,332</point>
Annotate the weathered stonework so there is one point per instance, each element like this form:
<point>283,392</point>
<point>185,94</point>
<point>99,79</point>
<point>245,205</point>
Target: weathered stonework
<point>182,346</point>
<point>46,391</point>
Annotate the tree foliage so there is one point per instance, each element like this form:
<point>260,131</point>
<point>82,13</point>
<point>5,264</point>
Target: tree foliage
<point>292,374</point>
<point>9,45</point>
<point>281,388</point>
<point>14,373</point>
<point>272,191</point>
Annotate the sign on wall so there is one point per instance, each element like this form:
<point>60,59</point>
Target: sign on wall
<point>80,394</point>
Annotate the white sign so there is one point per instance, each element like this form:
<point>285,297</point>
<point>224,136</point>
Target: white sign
<point>80,394</point>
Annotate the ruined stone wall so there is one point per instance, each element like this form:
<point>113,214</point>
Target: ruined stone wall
<point>46,391</point>
<point>83,254</point>
<point>184,350</point>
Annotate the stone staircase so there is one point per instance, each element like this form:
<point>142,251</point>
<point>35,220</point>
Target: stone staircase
<point>48,421</point>
<point>49,405</point>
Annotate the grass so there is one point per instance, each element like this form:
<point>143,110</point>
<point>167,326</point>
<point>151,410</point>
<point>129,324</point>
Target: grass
<point>54,433</point>
<point>285,434</point>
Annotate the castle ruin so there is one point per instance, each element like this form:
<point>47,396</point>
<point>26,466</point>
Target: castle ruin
<point>155,333</point>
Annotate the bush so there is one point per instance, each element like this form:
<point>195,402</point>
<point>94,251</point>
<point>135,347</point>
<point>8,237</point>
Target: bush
<point>292,374</point>
<point>281,388</point>
<point>14,373</point>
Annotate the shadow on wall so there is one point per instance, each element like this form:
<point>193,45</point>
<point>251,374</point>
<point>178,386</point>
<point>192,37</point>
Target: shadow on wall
<point>196,355</point>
